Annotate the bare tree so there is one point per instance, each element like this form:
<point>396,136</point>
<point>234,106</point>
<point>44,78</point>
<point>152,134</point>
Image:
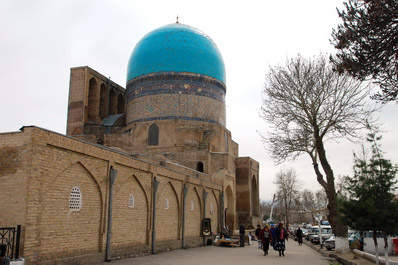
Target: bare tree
<point>288,184</point>
<point>308,201</point>
<point>321,200</point>
<point>265,209</point>
<point>307,104</point>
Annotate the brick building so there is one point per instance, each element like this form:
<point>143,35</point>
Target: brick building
<point>139,168</point>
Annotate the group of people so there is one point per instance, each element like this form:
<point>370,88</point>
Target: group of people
<point>274,236</point>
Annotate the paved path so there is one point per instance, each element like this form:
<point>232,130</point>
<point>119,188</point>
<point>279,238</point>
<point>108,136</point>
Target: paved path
<point>213,255</point>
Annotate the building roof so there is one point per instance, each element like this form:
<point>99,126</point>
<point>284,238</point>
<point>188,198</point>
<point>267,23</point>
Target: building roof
<point>176,48</point>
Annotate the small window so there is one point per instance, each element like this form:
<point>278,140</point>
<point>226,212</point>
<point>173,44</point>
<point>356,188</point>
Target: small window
<point>199,167</point>
<point>75,199</point>
<point>153,135</point>
<point>131,201</point>
<point>211,207</point>
<point>167,204</point>
<point>192,205</point>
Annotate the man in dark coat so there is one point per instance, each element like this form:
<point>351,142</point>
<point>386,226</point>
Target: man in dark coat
<point>242,234</point>
<point>299,234</point>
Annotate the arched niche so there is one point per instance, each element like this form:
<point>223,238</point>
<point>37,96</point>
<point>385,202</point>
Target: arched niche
<point>103,106</point>
<point>93,100</point>
<point>120,104</point>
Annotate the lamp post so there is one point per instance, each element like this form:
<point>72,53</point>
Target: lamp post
<point>318,218</point>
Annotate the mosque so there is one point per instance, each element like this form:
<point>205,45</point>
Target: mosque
<point>142,169</point>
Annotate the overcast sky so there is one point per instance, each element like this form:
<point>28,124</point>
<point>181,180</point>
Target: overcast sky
<point>41,40</point>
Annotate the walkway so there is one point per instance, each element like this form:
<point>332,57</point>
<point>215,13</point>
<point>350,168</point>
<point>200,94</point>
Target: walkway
<point>249,255</point>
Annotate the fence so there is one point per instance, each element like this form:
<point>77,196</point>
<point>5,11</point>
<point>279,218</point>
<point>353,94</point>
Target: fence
<point>11,236</point>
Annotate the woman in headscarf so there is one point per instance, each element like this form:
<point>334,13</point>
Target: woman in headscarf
<point>265,237</point>
<point>281,235</point>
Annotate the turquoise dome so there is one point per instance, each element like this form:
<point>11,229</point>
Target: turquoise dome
<point>176,48</point>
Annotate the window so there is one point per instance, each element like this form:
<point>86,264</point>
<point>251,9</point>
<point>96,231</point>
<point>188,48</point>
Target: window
<point>131,201</point>
<point>192,205</point>
<point>211,207</point>
<point>167,204</point>
<point>153,135</point>
<point>199,167</point>
<point>75,199</point>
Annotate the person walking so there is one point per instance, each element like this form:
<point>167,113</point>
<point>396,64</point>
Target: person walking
<point>242,234</point>
<point>265,237</point>
<point>281,236</point>
<point>257,234</point>
<point>273,234</point>
<point>299,234</point>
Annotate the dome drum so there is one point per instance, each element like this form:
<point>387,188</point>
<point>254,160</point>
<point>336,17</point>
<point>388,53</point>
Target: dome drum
<point>181,96</point>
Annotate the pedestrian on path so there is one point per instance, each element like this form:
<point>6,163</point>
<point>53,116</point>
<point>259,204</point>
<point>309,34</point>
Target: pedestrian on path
<point>299,234</point>
<point>265,237</point>
<point>242,234</point>
<point>281,236</point>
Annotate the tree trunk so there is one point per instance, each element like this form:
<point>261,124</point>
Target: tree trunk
<point>338,228</point>
<point>376,248</point>
<point>387,261</point>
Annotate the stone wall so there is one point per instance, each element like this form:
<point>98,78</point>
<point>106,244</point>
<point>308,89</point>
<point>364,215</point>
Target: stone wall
<point>40,169</point>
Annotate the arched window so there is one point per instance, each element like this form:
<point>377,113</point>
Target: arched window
<point>199,167</point>
<point>166,204</point>
<point>211,207</point>
<point>75,199</point>
<point>153,135</point>
<point>192,205</point>
<point>131,201</point>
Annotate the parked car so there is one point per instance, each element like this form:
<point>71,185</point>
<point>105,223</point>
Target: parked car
<point>330,243</point>
<point>311,231</point>
<point>326,234</point>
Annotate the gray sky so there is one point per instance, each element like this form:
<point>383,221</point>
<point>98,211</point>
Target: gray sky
<point>41,40</point>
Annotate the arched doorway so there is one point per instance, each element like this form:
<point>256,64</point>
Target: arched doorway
<point>229,209</point>
<point>254,196</point>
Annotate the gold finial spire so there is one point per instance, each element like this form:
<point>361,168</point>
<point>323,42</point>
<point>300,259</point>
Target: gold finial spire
<point>177,19</point>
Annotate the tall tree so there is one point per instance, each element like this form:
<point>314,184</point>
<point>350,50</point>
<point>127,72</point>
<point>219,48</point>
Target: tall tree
<point>371,204</point>
<point>307,104</point>
<point>367,43</point>
<point>288,184</point>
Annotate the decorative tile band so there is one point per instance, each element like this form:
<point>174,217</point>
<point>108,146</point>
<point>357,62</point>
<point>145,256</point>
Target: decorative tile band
<point>175,83</point>
<point>173,118</point>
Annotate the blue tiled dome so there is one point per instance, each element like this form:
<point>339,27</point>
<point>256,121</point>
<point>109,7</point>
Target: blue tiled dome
<point>176,48</point>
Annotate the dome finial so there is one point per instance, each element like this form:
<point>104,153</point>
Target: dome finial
<point>177,19</point>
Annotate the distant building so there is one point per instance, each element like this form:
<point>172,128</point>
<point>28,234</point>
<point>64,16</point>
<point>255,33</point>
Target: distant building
<point>164,142</point>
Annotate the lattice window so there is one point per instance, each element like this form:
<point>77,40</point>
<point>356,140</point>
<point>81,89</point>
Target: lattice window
<point>192,205</point>
<point>75,199</point>
<point>131,201</point>
<point>167,205</point>
<point>153,135</point>
<point>211,207</point>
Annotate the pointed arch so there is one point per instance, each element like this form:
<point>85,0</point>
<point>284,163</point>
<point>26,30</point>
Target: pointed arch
<point>153,135</point>
<point>254,196</point>
<point>193,218</point>
<point>103,105</point>
<point>93,100</point>
<point>87,222</point>
<point>170,216</point>
<point>120,104</point>
<point>229,210</point>
<point>214,213</point>
<point>112,102</point>
<point>129,225</point>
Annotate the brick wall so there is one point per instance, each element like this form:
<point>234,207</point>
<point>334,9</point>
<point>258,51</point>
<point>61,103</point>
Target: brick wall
<point>39,170</point>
